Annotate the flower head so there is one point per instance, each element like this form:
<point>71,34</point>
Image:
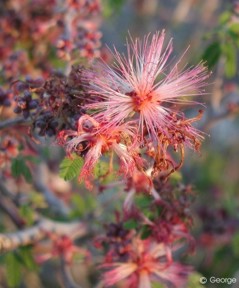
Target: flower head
<point>148,262</point>
<point>90,141</point>
<point>140,86</point>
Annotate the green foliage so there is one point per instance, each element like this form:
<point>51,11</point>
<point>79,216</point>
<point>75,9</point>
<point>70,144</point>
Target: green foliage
<point>101,169</point>
<point>235,244</point>
<point>230,54</point>
<point>194,280</point>
<point>212,54</point>
<point>80,205</point>
<point>224,44</point>
<point>111,7</point>
<point>27,213</point>
<point>70,167</point>
<point>37,200</point>
<point>130,224</point>
<point>146,232</point>
<point>19,167</point>
<point>143,201</point>
<point>224,17</point>
<point>13,268</point>
<point>15,262</point>
<point>234,28</point>
<point>157,285</point>
<point>175,177</point>
<point>25,257</point>
<point>101,172</point>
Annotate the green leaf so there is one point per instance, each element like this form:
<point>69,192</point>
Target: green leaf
<point>146,232</point>
<point>19,167</point>
<point>27,213</point>
<point>235,244</point>
<point>101,168</point>
<point>79,205</point>
<point>175,177</point>
<point>157,285</point>
<point>230,53</point>
<point>130,224</point>
<point>194,280</point>
<point>212,54</point>
<point>111,6</point>
<point>13,268</point>
<point>224,17</point>
<point>26,257</point>
<point>70,167</point>
<point>234,27</point>
<point>143,201</point>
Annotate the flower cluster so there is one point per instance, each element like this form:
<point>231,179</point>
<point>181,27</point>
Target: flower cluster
<point>52,104</point>
<point>80,33</point>
<point>29,30</point>
<point>141,246</point>
<point>139,100</point>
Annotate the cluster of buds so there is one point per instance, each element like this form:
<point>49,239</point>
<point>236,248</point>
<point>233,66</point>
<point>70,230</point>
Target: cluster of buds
<point>31,26</point>
<point>38,26</point>
<point>140,248</point>
<point>134,115</point>
<point>5,98</point>
<point>53,104</point>
<point>25,104</point>
<point>46,124</point>
<point>8,149</point>
<point>81,36</point>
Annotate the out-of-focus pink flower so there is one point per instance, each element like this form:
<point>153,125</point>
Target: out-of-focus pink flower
<point>148,262</point>
<point>138,86</point>
<point>61,247</point>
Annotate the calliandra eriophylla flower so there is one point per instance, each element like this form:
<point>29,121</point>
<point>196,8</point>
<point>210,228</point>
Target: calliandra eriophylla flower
<point>92,142</point>
<point>148,262</point>
<point>138,86</point>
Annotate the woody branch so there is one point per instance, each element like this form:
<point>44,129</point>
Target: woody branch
<point>39,231</point>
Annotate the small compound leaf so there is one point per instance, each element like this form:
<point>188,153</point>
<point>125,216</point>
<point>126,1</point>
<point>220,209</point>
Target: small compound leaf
<point>13,268</point>
<point>70,167</point>
<point>230,53</point>
<point>212,54</point>
<point>19,167</point>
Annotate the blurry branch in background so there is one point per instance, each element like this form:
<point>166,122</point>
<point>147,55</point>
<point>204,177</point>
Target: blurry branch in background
<point>4,191</point>
<point>182,10</point>
<point>58,206</point>
<point>10,241</point>
<point>11,122</point>
<point>67,275</point>
<point>232,112</point>
<point>10,209</point>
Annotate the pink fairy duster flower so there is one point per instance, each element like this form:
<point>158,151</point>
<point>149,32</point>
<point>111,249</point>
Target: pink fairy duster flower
<point>148,262</point>
<point>138,85</point>
<point>91,141</point>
